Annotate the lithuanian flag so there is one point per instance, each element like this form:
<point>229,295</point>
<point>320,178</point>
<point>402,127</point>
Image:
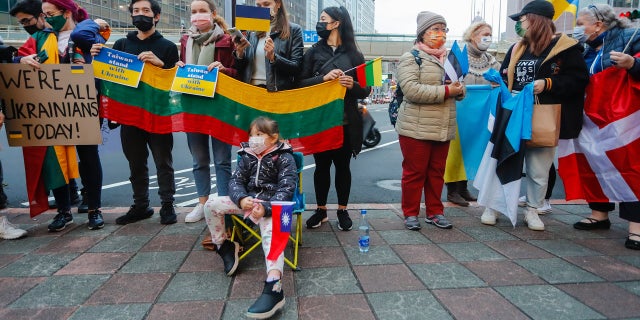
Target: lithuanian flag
<point>311,118</point>
<point>47,168</point>
<point>370,73</point>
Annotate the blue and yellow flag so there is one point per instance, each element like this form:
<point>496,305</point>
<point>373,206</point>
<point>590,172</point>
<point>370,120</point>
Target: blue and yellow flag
<point>562,6</point>
<point>252,18</point>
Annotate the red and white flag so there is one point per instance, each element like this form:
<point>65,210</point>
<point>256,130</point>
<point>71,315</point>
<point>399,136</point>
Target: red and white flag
<point>603,163</point>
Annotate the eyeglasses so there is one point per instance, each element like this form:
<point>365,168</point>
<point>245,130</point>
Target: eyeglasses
<point>26,21</point>
<point>53,14</point>
<point>436,29</point>
<point>597,12</point>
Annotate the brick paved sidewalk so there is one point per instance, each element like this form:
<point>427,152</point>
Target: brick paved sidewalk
<point>149,271</point>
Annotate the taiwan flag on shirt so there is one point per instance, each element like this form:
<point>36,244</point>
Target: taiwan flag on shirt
<point>281,218</point>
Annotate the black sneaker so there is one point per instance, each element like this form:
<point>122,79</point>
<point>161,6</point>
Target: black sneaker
<point>83,207</point>
<point>316,220</point>
<point>439,221</point>
<point>228,251</point>
<point>60,221</point>
<point>95,220</point>
<point>270,301</point>
<point>344,222</point>
<point>134,215</point>
<point>168,214</point>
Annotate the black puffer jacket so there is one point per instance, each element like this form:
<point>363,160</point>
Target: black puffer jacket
<point>286,66</point>
<point>272,178</point>
<point>315,67</point>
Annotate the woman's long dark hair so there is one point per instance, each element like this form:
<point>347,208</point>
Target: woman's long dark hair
<point>347,36</point>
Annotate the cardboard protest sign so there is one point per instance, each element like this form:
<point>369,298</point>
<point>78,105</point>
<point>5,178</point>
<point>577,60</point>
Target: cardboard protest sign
<point>117,66</point>
<point>54,105</point>
<point>196,80</point>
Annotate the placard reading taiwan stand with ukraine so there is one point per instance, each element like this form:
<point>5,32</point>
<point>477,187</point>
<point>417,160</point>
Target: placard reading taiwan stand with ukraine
<point>117,66</point>
<point>196,80</point>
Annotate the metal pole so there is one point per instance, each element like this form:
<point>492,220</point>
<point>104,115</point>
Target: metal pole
<point>230,12</point>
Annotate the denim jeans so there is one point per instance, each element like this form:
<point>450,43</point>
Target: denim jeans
<point>199,147</point>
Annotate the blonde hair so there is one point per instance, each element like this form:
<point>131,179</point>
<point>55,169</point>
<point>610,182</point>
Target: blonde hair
<point>473,28</point>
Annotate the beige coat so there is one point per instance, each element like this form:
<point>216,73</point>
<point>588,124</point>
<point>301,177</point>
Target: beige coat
<point>424,113</point>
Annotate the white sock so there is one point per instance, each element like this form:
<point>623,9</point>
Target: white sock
<point>272,278</point>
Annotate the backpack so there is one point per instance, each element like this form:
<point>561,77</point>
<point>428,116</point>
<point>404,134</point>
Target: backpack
<point>394,105</point>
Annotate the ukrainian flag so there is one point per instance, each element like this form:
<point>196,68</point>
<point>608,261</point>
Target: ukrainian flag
<point>562,6</point>
<point>252,18</point>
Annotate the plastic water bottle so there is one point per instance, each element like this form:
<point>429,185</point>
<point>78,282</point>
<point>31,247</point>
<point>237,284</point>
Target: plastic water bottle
<point>363,232</point>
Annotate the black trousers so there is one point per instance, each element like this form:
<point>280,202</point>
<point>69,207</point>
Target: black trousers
<point>91,174</point>
<point>135,145</point>
<point>341,159</point>
<point>629,211</point>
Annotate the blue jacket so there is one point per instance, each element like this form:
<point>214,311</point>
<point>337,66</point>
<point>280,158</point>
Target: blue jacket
<point>274,177</point>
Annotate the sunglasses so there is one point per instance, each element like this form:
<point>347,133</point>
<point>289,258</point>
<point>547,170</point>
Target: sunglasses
<point>597,12</point>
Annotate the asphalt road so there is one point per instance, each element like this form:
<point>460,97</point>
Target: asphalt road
<point>375,173</point>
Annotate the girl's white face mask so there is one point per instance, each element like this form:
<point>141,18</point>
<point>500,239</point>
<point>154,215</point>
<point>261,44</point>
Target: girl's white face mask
<point>257,144</point>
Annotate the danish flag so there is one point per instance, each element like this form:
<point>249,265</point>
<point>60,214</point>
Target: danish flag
<point>603,163</point>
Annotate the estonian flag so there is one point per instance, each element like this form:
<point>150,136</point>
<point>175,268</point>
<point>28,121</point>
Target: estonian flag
<point>500,171</point>
<point>456,66</point>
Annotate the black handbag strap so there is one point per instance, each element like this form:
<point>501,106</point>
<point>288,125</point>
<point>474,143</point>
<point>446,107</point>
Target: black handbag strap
<point>335,56</point>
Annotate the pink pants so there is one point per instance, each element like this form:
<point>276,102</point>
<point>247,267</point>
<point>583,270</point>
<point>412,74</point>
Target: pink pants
<point>214,211</point>
<point>423,166</point>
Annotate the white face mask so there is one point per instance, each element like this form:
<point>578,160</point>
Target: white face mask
<point>484,43</point>
<point>257,144</point>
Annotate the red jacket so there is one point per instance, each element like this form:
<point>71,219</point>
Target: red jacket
<point>223,53</point>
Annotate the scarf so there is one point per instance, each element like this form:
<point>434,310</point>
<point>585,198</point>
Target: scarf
<point>198,49</point>
<point>439,53</point>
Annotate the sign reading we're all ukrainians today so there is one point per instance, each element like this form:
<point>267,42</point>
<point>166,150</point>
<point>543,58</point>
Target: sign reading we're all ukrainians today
<point>196,80</point>
<point>56,104</point>
<point>117,66</point>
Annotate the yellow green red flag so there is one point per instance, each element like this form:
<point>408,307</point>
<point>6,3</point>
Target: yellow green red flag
<point>370,73</point>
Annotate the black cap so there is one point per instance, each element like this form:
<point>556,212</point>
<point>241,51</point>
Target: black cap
<point>540,7</point>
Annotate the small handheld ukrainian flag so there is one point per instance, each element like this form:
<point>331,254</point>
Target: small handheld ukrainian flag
<point>252,18</point>
<point>562,6</point>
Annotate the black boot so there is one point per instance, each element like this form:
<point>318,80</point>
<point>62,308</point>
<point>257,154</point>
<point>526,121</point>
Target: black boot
<point>270,301</point>
<point>453,195</point>
<point>463,190</point>
<point>228,251</point>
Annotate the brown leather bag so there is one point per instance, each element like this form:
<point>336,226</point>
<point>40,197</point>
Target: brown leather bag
<point>207,242</point>
<point>545,125</point>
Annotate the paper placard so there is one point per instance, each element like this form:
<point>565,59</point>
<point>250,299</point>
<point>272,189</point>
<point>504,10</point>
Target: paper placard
<point>54,105</point>
<point>117,66</point>
<point>196,80</point>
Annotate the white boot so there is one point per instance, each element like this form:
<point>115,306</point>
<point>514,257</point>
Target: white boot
<point>532,220</point>
<point>9,231</point>
<point>196,214</point>
<point>489,217</point>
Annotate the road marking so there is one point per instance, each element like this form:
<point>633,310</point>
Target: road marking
<point>194,201</point>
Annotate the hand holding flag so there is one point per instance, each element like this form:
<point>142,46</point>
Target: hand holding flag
<point>281,214</point>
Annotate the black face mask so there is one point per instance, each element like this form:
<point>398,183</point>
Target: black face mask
<point>321,29</point>
<point>31,29</point>
<point>143,23</point>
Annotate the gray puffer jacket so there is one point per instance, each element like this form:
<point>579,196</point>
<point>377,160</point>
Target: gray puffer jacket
<point>272,178</point>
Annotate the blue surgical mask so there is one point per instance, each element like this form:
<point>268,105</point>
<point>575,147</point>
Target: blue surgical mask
<point>578,34</point>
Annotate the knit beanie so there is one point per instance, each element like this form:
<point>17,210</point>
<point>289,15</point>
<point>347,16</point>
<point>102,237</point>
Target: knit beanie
<point>426,19</point>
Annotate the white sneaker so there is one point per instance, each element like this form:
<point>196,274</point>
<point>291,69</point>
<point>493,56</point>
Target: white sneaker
<point>522,201</point>
<point>532,220</point>
<point>196,214</point>
<point>9,231</point>
<point>489,217</point>
<point>546,207</point>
